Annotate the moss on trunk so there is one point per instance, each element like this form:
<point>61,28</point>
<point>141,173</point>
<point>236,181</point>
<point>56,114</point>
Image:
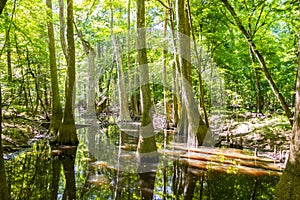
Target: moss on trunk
<point>67,131</point>
<point>289,184</point>
<point>56,106</point>
<point>147,141</point>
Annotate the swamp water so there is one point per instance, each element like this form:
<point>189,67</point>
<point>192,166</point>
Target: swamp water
<point>100,168</point>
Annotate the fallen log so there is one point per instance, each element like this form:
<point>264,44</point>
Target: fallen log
<point>229,169</point>
<point>224,160</point>
<point>238,162</point>
<point>227,152</point>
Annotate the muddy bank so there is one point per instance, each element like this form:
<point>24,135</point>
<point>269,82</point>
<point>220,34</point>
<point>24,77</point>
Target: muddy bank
<point>19,132</point>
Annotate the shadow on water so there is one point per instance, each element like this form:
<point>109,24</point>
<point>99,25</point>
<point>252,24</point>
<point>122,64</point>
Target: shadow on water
<point>105,165</point>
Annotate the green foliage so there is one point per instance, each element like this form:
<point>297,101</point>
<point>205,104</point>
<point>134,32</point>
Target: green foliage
<point>273,25</point>
<point>273,32</point>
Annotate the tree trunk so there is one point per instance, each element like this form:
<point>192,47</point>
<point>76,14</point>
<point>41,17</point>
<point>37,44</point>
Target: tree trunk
<point>175,95</point>
<point>3,186</point>
<point>47,93</point>
<point>147,138</point>
<point>131,77</point>
<point>56,105</point>
<point>91,55</point>
<point>164,75</point>
<point>91,100</point>
<point>9,69</point>
<point>257,84</point>
<point>67,131</point>
<point>2,5</point>
<point>198,58</point>
<point>272,84</point>
<point>135,97</point>
<point>175,70</point>
<point>124,112</point>
<point>62,28</point>
<point>197,128</point>
<point>261,60</point>
<point>289,184</point>
<point>185,69</point>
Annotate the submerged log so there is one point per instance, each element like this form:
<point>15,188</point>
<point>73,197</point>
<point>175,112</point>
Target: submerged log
<point>224,160</point>
<point>231,169</point>
<point>230,153</point>
<point>236,161</point>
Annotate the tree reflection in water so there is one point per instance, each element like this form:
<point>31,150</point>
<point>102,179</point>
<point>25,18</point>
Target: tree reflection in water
<point>54,173</point>
<point>29,173</point>
<point>56,164</point>
<point>66,158</point>
<point>148,165</point>
<point>147,180</point>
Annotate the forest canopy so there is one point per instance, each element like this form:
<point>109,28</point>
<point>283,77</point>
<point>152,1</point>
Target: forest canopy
<point>197,68</point>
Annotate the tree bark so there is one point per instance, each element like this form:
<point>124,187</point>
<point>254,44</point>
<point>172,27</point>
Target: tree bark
<point>257,84</point>
<point>146,138</point>
<point>185,69</point>
<point>2,5</point>
<point>8,44</point>
<point>91,101</point>
<point>91,55</point>
<point>56,105</point>
<point>124,112</point>
<point>176,103</point>
<point>164,75</point>
<point>131,77</point>
<point>9,69</point>
<point>67,131</point>
<point>62,28</point>
<point>288,186</point>
<point>175,70</point>
<point>3,186</point>
<point>261,60</point>
<point>197,128</point>
<point>201,90</point>
<point>135,97</point>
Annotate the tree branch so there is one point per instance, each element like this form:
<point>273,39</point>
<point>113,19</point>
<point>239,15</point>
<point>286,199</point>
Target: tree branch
<point>257,21</point>
<point>164,5</point>
<point>2,5</point>
<point>237,20</point>
<point>10,24</point>
<point>62,29</point>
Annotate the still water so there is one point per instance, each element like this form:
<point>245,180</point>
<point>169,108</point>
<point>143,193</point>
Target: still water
<point>105,166</point>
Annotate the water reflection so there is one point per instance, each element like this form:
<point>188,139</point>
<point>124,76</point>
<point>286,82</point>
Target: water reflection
<point>105,166</point>
<point>30,173</point>
<point>56,165</point>
<point>147,180</point>
<point>66,157</point>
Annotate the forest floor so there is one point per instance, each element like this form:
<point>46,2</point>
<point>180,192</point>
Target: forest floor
<point>267,134</point>
<point>20,130</point>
